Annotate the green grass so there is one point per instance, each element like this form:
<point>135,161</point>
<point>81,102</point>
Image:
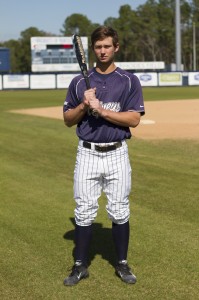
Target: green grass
<point>171,93</point>
<point>37,157</point>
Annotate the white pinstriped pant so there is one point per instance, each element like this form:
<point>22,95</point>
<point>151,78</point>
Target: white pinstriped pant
<point>95,172</point>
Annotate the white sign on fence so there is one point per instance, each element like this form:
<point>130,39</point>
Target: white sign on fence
<point>147,79</point>
<point>16,81</point>
<point>141,65</point>
<point>193,78</point>
<point>63,80</point>
<point>43,81</point>
<point>1,82</point>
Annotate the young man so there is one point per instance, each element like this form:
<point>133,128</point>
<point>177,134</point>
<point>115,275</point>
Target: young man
<point>102,162</point>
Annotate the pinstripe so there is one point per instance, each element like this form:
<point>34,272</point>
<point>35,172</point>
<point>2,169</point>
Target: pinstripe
<point>96,172</point>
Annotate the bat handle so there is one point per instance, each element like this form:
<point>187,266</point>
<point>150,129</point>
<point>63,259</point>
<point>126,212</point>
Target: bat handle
<point>87,83</point>
<point>93,112</point>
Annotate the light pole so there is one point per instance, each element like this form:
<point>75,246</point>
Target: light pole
<point>194,46</point>
<point>178,36</point>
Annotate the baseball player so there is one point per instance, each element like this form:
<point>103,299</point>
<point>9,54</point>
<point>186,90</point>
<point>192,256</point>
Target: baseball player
<point>102,162</point>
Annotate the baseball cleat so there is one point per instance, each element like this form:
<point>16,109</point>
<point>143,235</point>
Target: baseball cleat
<point>124,272</point>
<point>79,271</point>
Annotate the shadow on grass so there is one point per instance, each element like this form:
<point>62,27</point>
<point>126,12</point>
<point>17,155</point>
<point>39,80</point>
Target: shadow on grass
<point>102,243</point>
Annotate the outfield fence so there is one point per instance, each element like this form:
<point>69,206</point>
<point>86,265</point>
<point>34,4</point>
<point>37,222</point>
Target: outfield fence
<point>62,81</point>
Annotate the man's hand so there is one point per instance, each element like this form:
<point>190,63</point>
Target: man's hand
<point>90,100</point>
<point>95,106</point>
<point>89,95</point>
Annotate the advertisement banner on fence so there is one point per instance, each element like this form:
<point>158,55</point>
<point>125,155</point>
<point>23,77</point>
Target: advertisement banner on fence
<point>169,79</point>
<point>63,80</point>
<point>147,79</point>
<point>1,82</point>
<point>43,81</point>
<point>141,65</point>
<point>16,81</point>
<point>193,78</point>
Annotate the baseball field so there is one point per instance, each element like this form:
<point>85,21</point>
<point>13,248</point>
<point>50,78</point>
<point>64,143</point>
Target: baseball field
<point>37,156</point>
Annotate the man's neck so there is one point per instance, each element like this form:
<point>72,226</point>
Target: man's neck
<point>105,68</point>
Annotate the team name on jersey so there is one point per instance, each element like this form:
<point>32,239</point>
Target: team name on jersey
<point>114,106</point>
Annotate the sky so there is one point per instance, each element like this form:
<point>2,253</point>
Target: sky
<point>49,16</point>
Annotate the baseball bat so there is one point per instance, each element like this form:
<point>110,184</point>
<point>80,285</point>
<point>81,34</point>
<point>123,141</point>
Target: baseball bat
<point>80,55</point>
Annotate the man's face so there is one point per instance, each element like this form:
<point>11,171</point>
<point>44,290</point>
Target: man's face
<point>105,50</point>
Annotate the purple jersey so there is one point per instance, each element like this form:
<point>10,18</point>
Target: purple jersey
<point>118,91</point>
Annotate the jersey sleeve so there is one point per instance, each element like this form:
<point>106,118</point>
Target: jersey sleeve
<point>71,100</point>
<point>135,100</point>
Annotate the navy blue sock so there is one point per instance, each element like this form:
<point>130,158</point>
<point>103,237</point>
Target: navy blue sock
<point>83,236</point>
<point>120,234</point>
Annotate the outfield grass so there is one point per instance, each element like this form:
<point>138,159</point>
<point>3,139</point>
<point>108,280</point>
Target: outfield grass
<point>171,93</point>
<point>37,157</point>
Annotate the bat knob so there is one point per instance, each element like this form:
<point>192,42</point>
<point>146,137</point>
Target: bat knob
<point>95,113</point>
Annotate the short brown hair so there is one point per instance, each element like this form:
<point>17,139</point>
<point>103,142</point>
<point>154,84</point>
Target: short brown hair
<point>103,32</point>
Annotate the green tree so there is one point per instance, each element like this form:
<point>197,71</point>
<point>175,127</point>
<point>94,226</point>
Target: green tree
<point>77,23</point>
<point>157,33</point>
<point>159,29</point>
<point>186,29</point>
<point>20,52</point>
<point>80,24</point>
<point>24,56</point>
<point>127,26</point>
<point>195,23</point>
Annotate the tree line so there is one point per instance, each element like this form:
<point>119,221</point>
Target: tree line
<point>146,34</point>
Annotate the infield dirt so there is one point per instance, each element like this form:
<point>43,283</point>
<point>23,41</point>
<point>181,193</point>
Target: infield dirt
<point>177,119</point>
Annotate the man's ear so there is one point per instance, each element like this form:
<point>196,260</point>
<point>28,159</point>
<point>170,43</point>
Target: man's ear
<point>117,48</point>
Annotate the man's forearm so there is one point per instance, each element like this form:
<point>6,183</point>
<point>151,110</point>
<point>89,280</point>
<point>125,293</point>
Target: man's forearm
<point>74,116</point>
<point>126,119</point>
